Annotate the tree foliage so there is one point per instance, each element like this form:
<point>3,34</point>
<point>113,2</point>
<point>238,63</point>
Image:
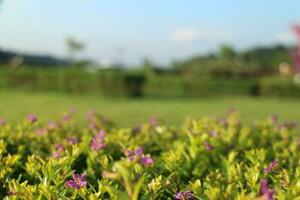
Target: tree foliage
<point>258,59</point>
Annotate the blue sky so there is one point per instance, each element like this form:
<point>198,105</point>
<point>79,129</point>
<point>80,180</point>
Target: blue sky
<point>128,31</point>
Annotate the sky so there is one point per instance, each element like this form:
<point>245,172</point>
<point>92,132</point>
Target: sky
<point>128,31</point>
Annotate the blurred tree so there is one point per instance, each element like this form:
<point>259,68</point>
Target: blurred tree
<point>74,46</point>
<point>296,52</point>
<point>227,52</point>
<point>256,61</point>
<point>267,57</point>
<point>147,65</point>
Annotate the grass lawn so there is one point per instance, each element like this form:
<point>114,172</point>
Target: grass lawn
<point>15,105</point>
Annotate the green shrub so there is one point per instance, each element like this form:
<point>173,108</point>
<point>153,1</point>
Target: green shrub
<point>279,86</point>
<point>205,159</point>
<point>132,83</point>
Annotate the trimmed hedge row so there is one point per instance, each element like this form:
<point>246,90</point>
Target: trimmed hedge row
<point>184,87</point>
<point>136,84</point>
<point>279,86</point>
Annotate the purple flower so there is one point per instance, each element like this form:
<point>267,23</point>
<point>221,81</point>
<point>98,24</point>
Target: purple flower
<point>213,133</point>
<point>98,142</point>
<point>91,114</point>
<point>274,119</point>
<point>139,156</point>
<point>31,118</point>
<point>59,150</point>
<point>223,122</point>
<point>67,118</point>
<point>265,191</point>
<point>52,126</point>
<point>60,147</point>
<point>72,140</point>
<point>153,121</point>
<point>208,146</point>
<point>186,195</point>
<point>11,193</point>
<point>92,126</point>
<point>129,154</point>
<point>288,125</point>
<point>2,121</point>
<point>146,160</point>
<point>271,166</point>
<point>55,154</point>
<point>139,151</point>
<point>40,131</point>
<point>78,181</point>
<point>72,110</point>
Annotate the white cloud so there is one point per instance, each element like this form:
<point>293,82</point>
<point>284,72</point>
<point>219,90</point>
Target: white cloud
<point>105,61</point>
<point>189,35</point>
<point>286,38</point>
<point>215,35</point>
<point>184,35</point>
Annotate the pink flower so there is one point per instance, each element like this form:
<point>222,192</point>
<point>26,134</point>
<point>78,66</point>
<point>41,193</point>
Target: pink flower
<point>60,147</point>
<point>153,121</point>
<point>31,118</point>
<point>55,154</point>
<point>72,140</point>
<point>92,126</point>
<point>265,191</point>
<point>52,126</point>
<point>129,154</point>
<point>186,195</point>
<point>78,181</point>
<point>139,151</point>
<point>213,133</point>
<point>208,146</point>
<point>98,142</point>
<point>223,122</point>
<point>59,150</point>
<point>146,160</point>
<point>72,110</point>
<point>67,118</point>
<point>40,131</point>
<point>139,156</point>
<point>271,166</point>
<point>11,193</point>
<point>91,114</point>
<point>273,119</point>
<point>287,125</point>
<point>2,122</point>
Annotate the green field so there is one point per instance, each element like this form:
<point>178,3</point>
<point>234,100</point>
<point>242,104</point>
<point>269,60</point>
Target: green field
<point>15,105</point>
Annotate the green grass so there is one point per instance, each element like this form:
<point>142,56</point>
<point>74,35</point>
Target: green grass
<point>15,105</point>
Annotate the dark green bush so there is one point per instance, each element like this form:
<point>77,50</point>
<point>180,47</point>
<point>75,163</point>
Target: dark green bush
<point>280,87</point>
<point>195,87</point>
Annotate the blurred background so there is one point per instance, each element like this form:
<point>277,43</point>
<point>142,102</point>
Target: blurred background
<point>131,60</point>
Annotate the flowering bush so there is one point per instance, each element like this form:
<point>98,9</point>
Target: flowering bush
<point>203,159</point>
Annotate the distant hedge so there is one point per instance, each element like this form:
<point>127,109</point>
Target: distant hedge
<point>279,86</point>
<point>188,87</point>
<point>106,82</point>
<point>138,84</point>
